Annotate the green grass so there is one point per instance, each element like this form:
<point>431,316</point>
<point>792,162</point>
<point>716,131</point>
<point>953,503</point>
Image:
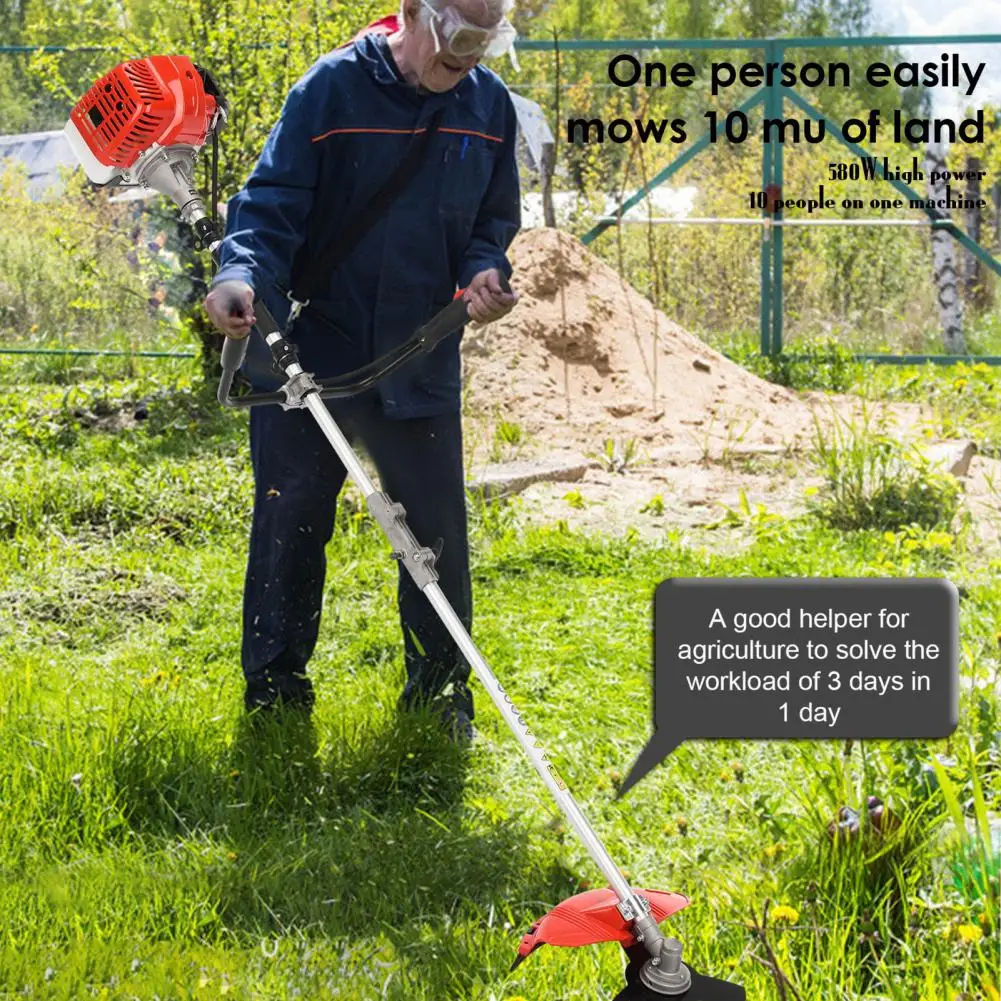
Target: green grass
<point>154,846</point>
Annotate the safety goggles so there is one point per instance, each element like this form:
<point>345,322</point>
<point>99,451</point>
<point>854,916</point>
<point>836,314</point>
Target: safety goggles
<point>463,39</point>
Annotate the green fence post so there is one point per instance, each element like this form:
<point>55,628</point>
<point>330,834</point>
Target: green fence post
<point>767,233</point>
<point>777,103</point>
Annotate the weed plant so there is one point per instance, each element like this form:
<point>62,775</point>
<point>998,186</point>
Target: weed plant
<point>873,481</point>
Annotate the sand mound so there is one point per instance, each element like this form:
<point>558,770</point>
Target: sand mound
<point>584,356</point>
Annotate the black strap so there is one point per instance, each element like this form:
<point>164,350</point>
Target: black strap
<point>309,276</point>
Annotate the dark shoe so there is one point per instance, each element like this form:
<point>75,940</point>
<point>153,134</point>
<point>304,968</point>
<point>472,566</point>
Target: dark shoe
<point>458,726</point>
<point>279,691</point>
<point>453,706</point>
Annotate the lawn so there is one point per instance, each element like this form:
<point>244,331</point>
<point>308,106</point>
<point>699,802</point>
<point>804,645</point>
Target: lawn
<point>153,845</point>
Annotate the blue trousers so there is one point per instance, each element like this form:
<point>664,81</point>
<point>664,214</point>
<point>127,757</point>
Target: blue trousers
<point>297,481</point>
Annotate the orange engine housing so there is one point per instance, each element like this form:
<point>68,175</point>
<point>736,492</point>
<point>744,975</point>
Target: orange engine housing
<point>159,99</point>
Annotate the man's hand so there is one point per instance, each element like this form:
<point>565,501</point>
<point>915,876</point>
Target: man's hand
<point>230,306</point>
<point>485,298</point>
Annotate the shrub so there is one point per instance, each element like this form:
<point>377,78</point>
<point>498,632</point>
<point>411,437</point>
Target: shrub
<point>810,363</point>
<point>64,276</point>
<point>873,481</point>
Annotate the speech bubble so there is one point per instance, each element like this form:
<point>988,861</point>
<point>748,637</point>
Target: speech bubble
<point>802,659</point>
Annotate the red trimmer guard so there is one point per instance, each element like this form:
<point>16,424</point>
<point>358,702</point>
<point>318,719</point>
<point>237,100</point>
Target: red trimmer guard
<point>592,917</point>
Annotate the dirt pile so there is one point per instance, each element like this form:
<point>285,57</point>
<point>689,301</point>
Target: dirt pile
<point>584,356</point>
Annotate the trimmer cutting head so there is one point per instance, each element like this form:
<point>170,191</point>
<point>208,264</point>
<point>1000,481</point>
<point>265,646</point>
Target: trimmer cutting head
<point>596,916</point>
<point>592,917</point>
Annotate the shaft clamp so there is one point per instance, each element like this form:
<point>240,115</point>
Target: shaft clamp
<point>298,387</point>
<point>418,560</point>
<point>634,907</point>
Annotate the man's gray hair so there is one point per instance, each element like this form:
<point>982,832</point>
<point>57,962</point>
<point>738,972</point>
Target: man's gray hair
<point>495,8</point>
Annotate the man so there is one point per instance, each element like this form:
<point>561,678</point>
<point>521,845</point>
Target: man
<point>344,127</point>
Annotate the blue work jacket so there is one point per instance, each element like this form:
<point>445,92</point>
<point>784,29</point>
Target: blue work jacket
<point>344,127</point>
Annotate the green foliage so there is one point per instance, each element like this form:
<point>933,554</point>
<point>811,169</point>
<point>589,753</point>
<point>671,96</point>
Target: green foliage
<point>965,399</point>
<point>617,456</point>
<point>19,112</point>
<point>809,363</point>
<point>508,433</point>
<point>508,439</point>
<point>975,865</point>
<point>758,518</point>
<point>873,481</point>
<point>654,506</point>
<point>187,505</point>
<point>865,288</point>
<point>491,519</point>
<point>64,277</point>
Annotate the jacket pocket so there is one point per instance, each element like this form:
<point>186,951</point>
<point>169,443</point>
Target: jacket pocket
<point>439,371</point>
<point>466,167</point>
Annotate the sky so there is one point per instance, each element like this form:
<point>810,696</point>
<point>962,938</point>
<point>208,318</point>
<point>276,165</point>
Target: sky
<point>942,17</point>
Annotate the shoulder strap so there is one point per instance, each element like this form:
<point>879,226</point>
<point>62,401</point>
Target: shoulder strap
<point>309,276</point>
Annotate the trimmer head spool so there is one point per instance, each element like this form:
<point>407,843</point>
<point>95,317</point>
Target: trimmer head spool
<point>646,981</point>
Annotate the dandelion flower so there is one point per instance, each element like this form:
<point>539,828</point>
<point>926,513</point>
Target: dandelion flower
<point>783,912</point>
<point>969,934</point>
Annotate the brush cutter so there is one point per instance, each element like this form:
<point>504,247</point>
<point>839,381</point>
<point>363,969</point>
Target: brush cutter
<point>143,125</point>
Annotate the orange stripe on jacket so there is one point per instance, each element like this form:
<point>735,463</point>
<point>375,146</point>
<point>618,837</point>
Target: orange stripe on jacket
<point>404,132</point>
<point>394,132</point>
<point>469,132</point>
